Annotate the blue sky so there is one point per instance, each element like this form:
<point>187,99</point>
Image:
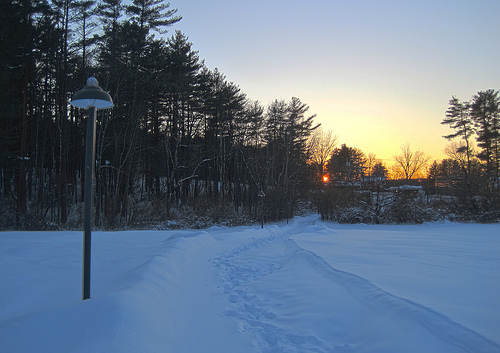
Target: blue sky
<point>379,74</point>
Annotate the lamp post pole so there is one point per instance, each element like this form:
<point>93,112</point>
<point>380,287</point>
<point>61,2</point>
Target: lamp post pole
<point>88,191</point>
<point>261,195</point>
<point>91,97</point>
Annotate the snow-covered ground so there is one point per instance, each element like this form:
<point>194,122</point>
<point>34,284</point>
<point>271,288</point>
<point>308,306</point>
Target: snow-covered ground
<point>308,286</point>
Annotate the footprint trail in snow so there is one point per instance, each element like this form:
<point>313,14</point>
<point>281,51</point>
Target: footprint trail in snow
<point>273,287</point>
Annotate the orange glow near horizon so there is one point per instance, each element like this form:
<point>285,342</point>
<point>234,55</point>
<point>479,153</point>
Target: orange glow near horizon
<point>363,83</point>
<point>325,178</point>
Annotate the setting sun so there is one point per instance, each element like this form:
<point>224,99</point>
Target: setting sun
<point>326,178</point>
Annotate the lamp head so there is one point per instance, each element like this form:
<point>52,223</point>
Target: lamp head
<point>92,96</point>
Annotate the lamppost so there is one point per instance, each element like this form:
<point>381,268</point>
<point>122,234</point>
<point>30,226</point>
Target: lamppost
<point>91,97</point>
<point>261,195</point>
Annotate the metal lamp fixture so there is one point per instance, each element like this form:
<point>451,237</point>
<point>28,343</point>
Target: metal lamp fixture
<point>90,97</point>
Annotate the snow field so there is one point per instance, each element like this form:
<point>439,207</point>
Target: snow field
<point>308,286</point>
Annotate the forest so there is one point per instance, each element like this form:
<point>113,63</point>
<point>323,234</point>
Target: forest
<point>185,147</point>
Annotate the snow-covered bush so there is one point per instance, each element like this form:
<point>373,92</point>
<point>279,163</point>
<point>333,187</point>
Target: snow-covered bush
<point>473,209</point>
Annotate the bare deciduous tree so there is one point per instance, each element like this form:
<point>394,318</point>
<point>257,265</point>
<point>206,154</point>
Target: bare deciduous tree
<point>321,145</point>
<point>410,164</point>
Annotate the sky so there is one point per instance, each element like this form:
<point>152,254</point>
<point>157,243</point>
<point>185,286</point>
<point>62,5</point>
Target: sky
<point>378,74</point>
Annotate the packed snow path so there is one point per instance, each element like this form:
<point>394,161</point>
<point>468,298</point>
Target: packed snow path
<point>292,300</point>
<point>308,286</point>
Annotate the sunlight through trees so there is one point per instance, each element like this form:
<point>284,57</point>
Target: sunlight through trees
<point>183,141</point>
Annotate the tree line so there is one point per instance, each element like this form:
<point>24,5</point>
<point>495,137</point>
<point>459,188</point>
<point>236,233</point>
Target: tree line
<point>474,152</point>
<point>463,187</point>
<point>182,142</point>
<point>180,135</point>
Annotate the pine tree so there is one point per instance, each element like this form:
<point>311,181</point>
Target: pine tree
<point>181,80</point>
<point>347,164</point>
<point>458,117</point>
<point>16,43</point>
<point>485,111</point>
<point>152,15</point>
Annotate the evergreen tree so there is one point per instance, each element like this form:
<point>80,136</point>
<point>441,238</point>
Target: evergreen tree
<point>16,44</point>
<point>459,118</point>
<point>27,38</point>
<point>182,122</point>
<point>253,124</point>
<point>84,13</point>
<point>179,133</point>
<point>223,102</point>
<point>287,130</point>
<point>347,164</point>
<point>485,111</point>
<point>152,15</point>
<point>379,171</point>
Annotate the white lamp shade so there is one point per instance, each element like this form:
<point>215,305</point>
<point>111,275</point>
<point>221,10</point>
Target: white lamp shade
<point>92,96</point>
